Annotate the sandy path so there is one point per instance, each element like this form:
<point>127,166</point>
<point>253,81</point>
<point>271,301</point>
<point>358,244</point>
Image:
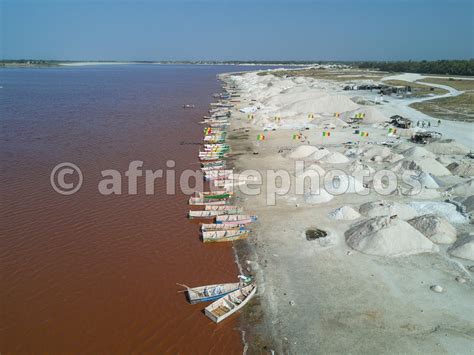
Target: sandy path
<point>459,130</point>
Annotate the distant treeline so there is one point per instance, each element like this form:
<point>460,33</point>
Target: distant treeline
<point>448,67</point>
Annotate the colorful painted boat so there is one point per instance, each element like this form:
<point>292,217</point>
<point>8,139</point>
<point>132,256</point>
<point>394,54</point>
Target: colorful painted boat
<point>209,227</point>
<point>235,219</point>
<point>224,235</point>
<point>196,201</point>
<point>210,293</point>
<point>212,214</point>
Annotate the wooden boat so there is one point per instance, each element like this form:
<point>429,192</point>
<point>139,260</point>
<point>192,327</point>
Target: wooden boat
<point>218,194</point>
<point>221,208</point>
<point>230,303</point>
<point>235,219</point>
<point>212,168</point>
<point>224,235</point>
<point>196,201</point>
<point>212,214</point>
<point>213,163</point>
<point>217,174</point>
<point>208,227</point>
<point>209,292</point>
<point>212,158</point>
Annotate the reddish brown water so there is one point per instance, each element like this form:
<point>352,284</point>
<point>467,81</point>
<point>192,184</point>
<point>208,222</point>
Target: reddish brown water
<point>91,273</point>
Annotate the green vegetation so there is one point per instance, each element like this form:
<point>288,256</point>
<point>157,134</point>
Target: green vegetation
<point>28,63</point>
<point>458,84</point>
<point>417,90</point>
<point>451,108</point>
<point>327,74</point>
<point>447,67</point>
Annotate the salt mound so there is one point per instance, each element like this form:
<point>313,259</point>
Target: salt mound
<point>372,115</point>
<point>436,228</point>
<point>339,184</point>
<point>322,196</point>
<point>394,157</point>
<point>463,248</point>
<point>463,188</point>
<point>324,104</point>
<point>441,209</point>
<point>386,236</point>
<point>357,166</point>
<point>335,158</point>
<point>462,168</point>
<point>382,152</point>
<point>449,147</point>
<point>302,151</point>
<point>427,165</point>
<point>344,213</point>
<point>320,153</point>
<point>425,180</point>
<point>418,152</point>
<point>387,208</point>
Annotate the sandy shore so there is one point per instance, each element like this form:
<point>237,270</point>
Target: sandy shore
<point>367,291</point>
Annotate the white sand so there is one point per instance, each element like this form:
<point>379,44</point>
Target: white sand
<point>386,236</point>
<point>334,158</point>
<point>322,196</point>
<point>447,147</point>
<point>418,152</point>
<point>344,213</point>
<point>302,152</point>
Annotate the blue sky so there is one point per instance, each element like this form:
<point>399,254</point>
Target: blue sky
<point>244,30</point>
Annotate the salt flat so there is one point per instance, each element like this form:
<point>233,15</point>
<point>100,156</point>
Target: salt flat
<point>334,294</point>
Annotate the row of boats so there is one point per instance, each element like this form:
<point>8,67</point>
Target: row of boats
<point>221,220</point>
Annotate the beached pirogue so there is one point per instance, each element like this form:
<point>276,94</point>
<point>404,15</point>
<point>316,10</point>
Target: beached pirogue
<point>227,298</point>
<point>230,303</point>
<point>230,223</point>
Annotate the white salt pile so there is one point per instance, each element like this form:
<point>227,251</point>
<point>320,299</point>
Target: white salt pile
<point>337,184</point>
<point>358,166</point>
<point>463,248</point>
<point>436,228</point>
<point>424,179</point>
<point>335,158</point>
<point>418,152</point>
<point>448,147</point>
<point>387,236</point>
<point>466,202</point>
<point>372,152</point>
<point>387,208</point>
<point>462,189</point>
<point>371,115</point>
<point>441,209</point>
<point>320,153</point>
<point>302,152</point>
<point>344,213</point>
<point>427,165</point>
<point>314,198</point>
<point>462,168</point>
<point>322,104</point>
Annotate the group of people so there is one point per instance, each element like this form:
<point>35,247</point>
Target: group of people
<point>427,124</point>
